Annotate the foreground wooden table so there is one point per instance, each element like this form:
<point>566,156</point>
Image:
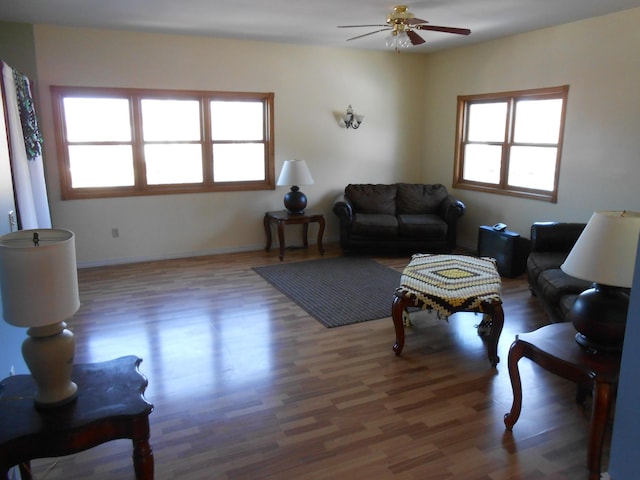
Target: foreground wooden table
<point>450,284</point>
<point>554,348</point>
<point>110,406</point>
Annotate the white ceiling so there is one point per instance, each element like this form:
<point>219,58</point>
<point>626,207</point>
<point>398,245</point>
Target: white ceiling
<point>311,22</point>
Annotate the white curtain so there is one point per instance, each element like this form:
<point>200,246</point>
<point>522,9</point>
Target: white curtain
<point>28,174</point>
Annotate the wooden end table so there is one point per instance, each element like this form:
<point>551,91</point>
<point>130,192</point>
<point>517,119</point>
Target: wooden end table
<point>450,284</point>
<point>283,217</point>
<point>110,405</point>
<point>554,348</point>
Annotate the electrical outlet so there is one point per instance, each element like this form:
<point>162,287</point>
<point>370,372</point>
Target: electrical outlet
<point>115,232</point>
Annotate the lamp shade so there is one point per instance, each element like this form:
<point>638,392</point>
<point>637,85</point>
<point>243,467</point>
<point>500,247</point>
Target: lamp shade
<point>295,172</point>
<point>39,282</point>
<point>605,252</point>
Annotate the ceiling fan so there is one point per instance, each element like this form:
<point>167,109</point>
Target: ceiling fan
<point>402,25</point>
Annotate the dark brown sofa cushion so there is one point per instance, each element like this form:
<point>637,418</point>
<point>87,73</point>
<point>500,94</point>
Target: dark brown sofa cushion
<point>554,283</point>
<point>375,225</point>
<point>419,198</point>
<point>538,262</point>
<point>422,226</point>
<point>368,198</point>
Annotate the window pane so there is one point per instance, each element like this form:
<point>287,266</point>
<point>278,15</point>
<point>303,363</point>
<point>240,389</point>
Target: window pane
<point>537,121</point>
<point>533,167</point>
<point>487,122</point>
<point>97,119</point>
<point>238,162</point>
<point>237,120</point>
<point>101,166</point>
<point>176,163</point>
<point>482,163</point>
<point>170,120</point>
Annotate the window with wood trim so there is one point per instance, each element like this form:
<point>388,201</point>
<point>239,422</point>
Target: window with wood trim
<point>122,142</point>
<point>511,142</point>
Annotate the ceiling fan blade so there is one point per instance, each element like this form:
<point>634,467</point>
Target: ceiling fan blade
<point>414,21</point>
<point>458,31</point>
<point>415,38</point>
<point>354,26</point>
<point>367,34</point>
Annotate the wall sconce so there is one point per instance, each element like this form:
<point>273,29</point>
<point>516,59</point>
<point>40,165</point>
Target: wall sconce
<point>351,120</point>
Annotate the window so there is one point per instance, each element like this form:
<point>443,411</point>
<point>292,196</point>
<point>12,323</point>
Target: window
<point>123,142</point>
<point>511,143</point>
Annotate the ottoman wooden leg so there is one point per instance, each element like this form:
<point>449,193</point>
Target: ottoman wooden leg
<point>397,310</point>
<point>497,322</point>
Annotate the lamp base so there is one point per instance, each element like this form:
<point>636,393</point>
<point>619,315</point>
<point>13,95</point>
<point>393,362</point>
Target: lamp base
<point>587,344</point>
<point>599,314</point>
<point>48,352</point>
<point>295,201</point>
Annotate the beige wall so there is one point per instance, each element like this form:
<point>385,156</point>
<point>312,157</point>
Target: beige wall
<point>408,134</point>
<point>311,86</point>
<point>600,169</point>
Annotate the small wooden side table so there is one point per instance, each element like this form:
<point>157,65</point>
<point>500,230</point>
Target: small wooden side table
<point>110,405</point>
<point>554,348</point>
<point>283,217</point>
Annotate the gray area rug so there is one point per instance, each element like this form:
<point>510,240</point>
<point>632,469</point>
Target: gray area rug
<point>336,291</point>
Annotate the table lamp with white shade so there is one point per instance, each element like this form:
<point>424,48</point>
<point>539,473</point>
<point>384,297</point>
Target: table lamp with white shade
<point>294,173</point>
<point>39,284</point>
<point>605,253</point>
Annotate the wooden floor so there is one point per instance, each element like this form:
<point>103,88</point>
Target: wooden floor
<point>246,385</point>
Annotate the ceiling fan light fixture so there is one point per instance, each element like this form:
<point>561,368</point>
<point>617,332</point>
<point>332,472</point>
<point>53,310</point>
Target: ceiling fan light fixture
<point>398,39</point>
<point>391,40</point>
<point>403,40</point>
<point>402,25</point>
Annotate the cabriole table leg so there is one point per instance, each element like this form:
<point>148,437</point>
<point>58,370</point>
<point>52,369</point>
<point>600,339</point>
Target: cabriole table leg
<point>397,310</point>
<point>516,352</point>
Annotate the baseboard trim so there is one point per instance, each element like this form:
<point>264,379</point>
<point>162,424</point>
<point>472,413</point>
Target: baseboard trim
<point>152,258</point>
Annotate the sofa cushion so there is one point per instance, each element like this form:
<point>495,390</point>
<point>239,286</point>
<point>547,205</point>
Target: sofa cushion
<point>369,198</point>
<point>422,226</point>
<point>419,198</point>
<point>375,225</point>
<point>554,283</point>
<point>538,262</point>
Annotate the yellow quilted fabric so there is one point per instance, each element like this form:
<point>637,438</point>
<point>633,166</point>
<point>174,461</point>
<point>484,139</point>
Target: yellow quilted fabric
<point>450,283</point>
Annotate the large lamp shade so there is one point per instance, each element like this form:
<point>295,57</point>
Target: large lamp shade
<point>39,284</point>
<point>605,253</point>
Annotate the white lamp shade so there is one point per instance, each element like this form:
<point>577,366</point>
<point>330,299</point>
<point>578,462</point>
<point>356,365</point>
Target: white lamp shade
<point>605,252</point>
<point>39,283</point>
<point>295,172</point>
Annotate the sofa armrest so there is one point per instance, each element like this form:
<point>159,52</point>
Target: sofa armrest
<point>343,208</point>
<point>451,209</point>
<point>555,236</point>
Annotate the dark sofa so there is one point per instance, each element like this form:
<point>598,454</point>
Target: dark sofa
<point>551,242</point>
<point>398,217</point>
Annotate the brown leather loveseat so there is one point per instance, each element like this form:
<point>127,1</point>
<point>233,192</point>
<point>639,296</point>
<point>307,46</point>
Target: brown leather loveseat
<point>403,217</point>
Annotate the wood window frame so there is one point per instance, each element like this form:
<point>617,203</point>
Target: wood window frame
<point>140,187</point>
<point>511,97</point>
